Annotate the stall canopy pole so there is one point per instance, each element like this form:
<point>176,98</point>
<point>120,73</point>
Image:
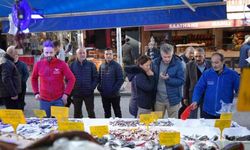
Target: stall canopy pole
<point>61,39</point>
<point>79,39</point>
<point>119,45</point>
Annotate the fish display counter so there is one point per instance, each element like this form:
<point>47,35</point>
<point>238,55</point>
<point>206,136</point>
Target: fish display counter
<point>124,133</point>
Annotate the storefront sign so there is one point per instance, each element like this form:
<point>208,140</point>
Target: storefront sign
<point>169,138</point>
<point>198,25</point>
<point>99,131</point>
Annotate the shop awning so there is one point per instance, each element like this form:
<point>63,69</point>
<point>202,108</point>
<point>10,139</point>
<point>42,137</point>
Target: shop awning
<point>99,14</point>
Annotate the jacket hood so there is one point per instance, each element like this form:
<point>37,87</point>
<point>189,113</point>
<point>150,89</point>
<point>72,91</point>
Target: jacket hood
<point>132,71</point>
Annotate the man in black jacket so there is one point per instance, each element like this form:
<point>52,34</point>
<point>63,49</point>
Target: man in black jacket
<point>110,82</point>
<point>24,75</point>
<point>10,81</point>
<point>86,76</point>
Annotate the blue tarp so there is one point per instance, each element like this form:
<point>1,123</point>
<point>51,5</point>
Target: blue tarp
<point>112,19</point>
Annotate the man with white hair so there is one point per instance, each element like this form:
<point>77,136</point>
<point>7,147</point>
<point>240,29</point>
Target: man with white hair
<point>10,81</point>
<point>188,55</point>
<point>86,81</point>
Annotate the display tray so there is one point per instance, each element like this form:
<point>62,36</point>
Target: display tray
<point>127,133</point>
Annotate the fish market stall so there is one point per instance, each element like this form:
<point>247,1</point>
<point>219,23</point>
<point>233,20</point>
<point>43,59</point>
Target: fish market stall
<point>132,134</point>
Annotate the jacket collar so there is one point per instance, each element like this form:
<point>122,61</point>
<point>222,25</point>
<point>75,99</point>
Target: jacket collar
<point>83,62</point>
<point>225,70</point>
<point>110,63</point>
<point>7,56</point>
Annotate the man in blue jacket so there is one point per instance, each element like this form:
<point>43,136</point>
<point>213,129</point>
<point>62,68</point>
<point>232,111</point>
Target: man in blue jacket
<point>86,76</point>
<point>244,53</point>
<point>219,84</point>
<point>110,82</point>
<point>169,79</point>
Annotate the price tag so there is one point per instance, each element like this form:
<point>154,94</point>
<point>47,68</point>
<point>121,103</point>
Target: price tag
<point>169,138</point>
<point>99,131</point>
<point>157,115</point>
<point>243,103</point>
<point>70,126</point>
<point>61,113</point>
<point>146,118</point>
<point>13,117</point>
<point>39,113</point>
<point>222,124</point>
<point>226,116</point>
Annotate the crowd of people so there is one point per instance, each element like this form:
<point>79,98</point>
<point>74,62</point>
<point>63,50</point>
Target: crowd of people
<point>160,81</point>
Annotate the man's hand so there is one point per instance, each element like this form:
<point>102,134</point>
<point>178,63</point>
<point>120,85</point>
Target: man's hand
<point>194,105</point>
<point>164,76</point>
<point>185,102</point>
<point>14,97</point>
<point>37,97</point>
<point>64,98</point>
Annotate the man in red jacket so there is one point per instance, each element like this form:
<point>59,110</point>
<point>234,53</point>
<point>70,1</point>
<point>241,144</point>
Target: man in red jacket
<point>51,73</point>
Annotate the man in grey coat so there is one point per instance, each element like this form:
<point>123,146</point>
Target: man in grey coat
<point>129,54</point>
<point>194,70</point>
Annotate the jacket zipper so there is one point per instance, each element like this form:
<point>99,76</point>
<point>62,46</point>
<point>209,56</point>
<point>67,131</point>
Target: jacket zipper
<point>217,85</point>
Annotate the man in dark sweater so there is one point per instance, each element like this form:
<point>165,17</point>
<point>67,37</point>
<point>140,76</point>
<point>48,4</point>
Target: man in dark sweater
<point>110,82</point>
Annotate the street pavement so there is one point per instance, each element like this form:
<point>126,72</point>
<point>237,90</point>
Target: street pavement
<point>242,118</point>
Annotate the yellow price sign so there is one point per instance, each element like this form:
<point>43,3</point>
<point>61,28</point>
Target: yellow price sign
<point>226,116</point>
<point>222,124</point>
<point>243,103</point>
<point>13,117</point>
<point>39,113</point>
<point>157,115</point>
<point>169,138</point>
<point>70,126</point>
<point>61,113</point>
<point>146,118</point>
<point>99,131</point>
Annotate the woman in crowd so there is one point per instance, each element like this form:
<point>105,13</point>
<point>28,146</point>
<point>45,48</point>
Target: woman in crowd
<point>142,86</point>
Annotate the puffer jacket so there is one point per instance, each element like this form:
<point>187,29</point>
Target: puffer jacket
<point>86,78</point>
<point>176,72</point>
<point>142,87</point>
<point>10,80</point>
<point>110,79</point>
